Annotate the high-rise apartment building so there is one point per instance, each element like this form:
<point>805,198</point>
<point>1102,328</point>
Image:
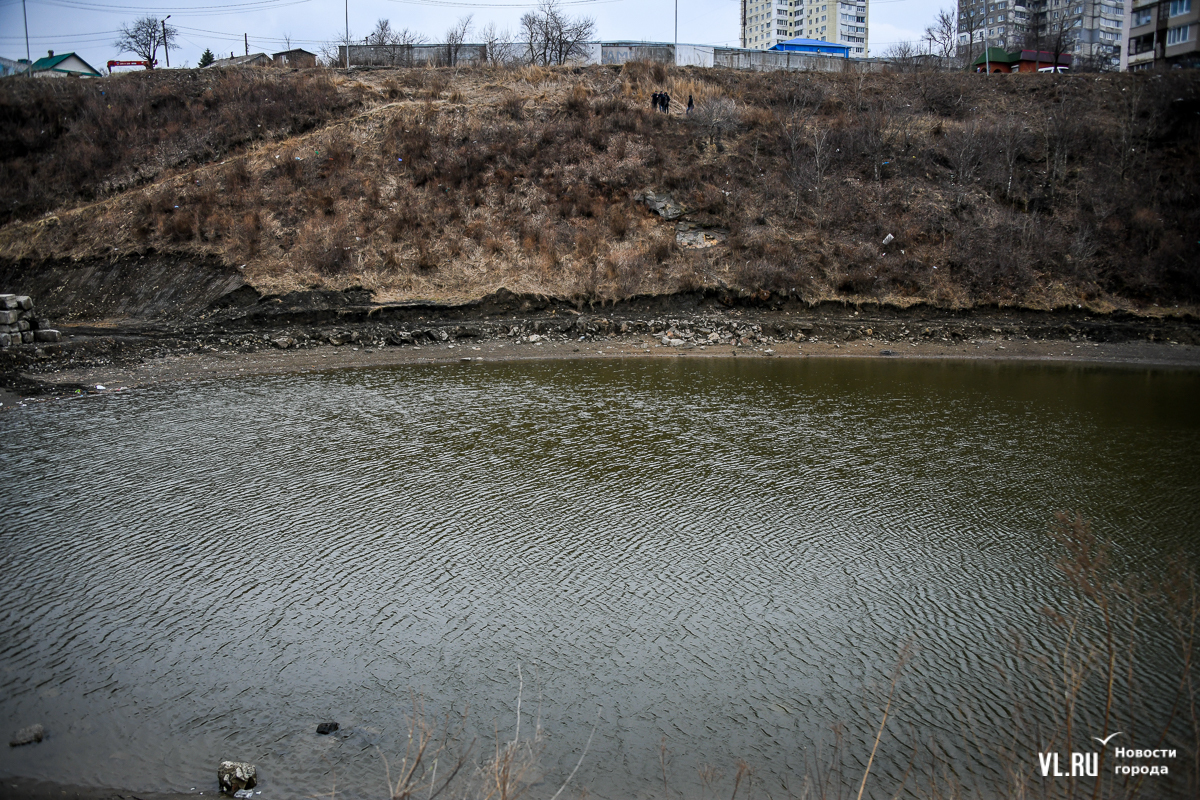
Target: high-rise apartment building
<point>1089,30</point>
<point>1163,33</point>
<point>766,23</point>
<point>992,23</point>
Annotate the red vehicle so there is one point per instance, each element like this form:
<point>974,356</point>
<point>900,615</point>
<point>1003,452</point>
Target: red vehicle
<point>146,64</point>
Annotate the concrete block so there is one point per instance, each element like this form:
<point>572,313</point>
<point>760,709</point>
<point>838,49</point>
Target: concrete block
<point>27,337</point>
<point>23,324</point>
<point>47,335</point>
<point>24,302</point>
<point>5,339</point>
<point>8,317</point>
<point>8,301</point>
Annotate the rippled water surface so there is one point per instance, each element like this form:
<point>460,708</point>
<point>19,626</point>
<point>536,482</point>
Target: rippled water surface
<point>725,553</point>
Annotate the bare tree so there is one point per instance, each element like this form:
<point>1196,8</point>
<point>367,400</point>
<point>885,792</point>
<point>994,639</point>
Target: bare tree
<point>455,36</point>
<point>331,54</point>
<point>499,44</point>
<point>1032,40</point>
<point>1045,34</point>
<point>145,36</point>
<point>972,26</point>
<point>1060,42</point>
<point>942,34</point>
<point>382,34</point>
<point>394,45</point>
<point>551,37</point>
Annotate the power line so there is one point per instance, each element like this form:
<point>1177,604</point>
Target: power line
<point>238,36</point>
<point>236,8</point>
<point>452,4</point>
<point>66,37</point>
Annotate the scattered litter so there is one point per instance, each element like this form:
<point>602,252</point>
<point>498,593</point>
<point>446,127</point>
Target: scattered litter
<point>243,794</point>
<point>888,239</point>
<point>99,388</point>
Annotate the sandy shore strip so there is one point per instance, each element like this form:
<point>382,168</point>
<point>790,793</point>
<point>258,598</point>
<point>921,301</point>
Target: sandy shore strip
<point>210,365</point>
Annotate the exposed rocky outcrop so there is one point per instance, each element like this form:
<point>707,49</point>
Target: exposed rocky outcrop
<point>19,325</point>
<point>234,776</point>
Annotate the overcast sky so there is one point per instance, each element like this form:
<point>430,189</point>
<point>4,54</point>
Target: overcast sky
<point>89,27</point>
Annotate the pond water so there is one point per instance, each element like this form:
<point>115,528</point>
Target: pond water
<point>722,558</point>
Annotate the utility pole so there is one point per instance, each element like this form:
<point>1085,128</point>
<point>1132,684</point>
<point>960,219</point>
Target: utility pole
<point>166,44</point>
<point>347,34</point>
<point>26,16</point>
<point>677,29</point>
<point>246,41</point>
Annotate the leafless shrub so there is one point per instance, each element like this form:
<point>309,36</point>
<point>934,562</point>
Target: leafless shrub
<point>1059,134</point>
<point>966,146</point>
<point>905,57</point>
<point>716,118</point>
<point>876,135</point>
<point>618,221</point>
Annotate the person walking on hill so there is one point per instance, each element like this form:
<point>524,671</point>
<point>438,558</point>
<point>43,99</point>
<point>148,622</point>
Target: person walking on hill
<point>691,105</point>
<point>654,102</point>
<point>664,102</point>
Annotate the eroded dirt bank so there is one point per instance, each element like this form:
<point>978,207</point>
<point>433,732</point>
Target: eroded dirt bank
<point>243,333</point>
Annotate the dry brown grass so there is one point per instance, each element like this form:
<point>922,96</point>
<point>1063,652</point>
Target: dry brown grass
<point>451,184</point>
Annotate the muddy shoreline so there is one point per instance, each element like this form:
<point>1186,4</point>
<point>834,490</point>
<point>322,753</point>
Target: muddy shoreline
<point>246,335</point>
<point>29,789</point>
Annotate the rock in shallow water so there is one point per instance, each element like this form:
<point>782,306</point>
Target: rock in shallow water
<point>326,728</point>
<point>34,733</point>
<point>236,775</point>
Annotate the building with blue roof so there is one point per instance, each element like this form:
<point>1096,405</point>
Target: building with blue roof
<point>814,47</point>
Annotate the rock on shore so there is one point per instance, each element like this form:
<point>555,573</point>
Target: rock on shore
<point>235,776</point>
<point>30,735</point>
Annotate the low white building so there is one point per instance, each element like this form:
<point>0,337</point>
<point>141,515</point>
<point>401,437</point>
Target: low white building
<point>66,65</point>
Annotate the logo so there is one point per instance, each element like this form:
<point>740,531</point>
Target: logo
<point>1083,765</point>
<point>1087,765</point>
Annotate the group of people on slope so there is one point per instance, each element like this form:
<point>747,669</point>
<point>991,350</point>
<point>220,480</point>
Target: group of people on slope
<point>661,101</point>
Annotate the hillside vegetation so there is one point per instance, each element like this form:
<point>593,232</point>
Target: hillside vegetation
<point>1040,191</point>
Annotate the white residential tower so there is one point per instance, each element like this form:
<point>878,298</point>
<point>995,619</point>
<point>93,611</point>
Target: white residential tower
<point>766,23</point>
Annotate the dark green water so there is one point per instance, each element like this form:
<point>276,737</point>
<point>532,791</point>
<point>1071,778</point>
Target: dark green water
<point>729,554</point>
